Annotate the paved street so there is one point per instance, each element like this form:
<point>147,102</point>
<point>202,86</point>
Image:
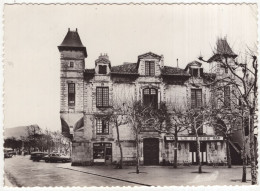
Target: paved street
<point>21,171</point>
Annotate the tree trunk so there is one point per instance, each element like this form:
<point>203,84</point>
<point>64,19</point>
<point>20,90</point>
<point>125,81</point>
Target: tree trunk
<point>243,149</point>
<point>198,151</point>
<point>175,147</point>
<point>120,147</point>
<point>252,148</point>
<point>244,163</point>
<point>137,154</point>
<point>228,152</point>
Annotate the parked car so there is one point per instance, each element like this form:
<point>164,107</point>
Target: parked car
<point>7,153</point>
<point>56,157</point>
<point>37,156</point>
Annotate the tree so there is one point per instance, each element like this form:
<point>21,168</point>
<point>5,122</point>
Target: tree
<point>193,120</point>
<point>13,143</point>
<point>34,133</point>
<point>139,116</point>
<point>118,117</point>
<point>180,124</point>
<point>244,78</point>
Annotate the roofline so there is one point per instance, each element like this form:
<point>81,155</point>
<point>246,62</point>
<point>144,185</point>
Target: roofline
<point>83,48</point>
<point>212,58</point>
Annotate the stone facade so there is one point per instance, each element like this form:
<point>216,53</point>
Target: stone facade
<point>95,141</point>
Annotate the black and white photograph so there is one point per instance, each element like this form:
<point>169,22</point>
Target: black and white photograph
<point>137,95</point>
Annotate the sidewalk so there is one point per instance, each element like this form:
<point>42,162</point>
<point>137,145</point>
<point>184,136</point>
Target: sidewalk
<point>7,182</point>
<point>166,175</point>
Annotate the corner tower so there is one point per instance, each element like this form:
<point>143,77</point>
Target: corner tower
<point>72,65</point>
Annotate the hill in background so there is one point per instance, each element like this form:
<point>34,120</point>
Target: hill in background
<point>16,132</point>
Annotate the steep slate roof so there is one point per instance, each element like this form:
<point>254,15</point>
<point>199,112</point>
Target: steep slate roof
<point>168,70</point>
<point>72,41</point>
<point>90,71</point>
<point>127,68</point>
<point>222,49</point>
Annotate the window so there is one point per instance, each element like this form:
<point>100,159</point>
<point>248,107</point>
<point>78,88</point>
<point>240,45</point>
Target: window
<point>150,97</point>
<point>71,94</point>
<point>71,65</point>
<point>227,96</point>
<point>102,97</point>
<point>102,69</point>
<point>194,72</point>
<point>196,98</point>
<point>102,126</point>
<point>149,68</point>
<point>226,70</point>
<point>201,72</point>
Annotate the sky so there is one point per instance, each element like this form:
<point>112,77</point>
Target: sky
<point>33,32</point>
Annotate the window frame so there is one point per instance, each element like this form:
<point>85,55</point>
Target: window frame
<point>71,64</point>
<point>227,96</point>
<point>102,97</point>
<point>100,126</point>
<point>196,98</point>
<point>149,68</point>
<point>150,96</point>
<point>101,68</point>
<point>71,95</point>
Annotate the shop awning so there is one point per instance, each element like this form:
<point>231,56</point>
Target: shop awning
<point>193,138</point>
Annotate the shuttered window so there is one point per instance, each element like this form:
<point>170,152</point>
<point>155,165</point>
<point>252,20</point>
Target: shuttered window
<point>149,68</point>
<point>227,96</point>
<point>102,96</point>
<point>196,98</point>
<point>71,94</point>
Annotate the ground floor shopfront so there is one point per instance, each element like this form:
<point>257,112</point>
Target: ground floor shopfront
<point>154,150</point>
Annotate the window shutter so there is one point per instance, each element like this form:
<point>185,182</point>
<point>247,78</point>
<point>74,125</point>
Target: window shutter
<point>99,97</point>
<point>71,94</point>
<point>227,96</point>
<point>201,72</point>
<point>105,97</point>
<point>199,98</point>
<point>147,67</point>
<point>152,68</point>
<point>193,98</point>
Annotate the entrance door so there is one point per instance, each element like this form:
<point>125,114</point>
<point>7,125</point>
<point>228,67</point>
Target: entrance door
<point>151,151</point>
<point>102,153</point>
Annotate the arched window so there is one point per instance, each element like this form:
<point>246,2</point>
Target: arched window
<point>150,97</point>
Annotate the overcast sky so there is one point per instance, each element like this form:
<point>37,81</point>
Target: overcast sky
<point>33,32</point>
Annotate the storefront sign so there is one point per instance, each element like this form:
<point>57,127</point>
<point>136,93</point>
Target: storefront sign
<point>214,138</point>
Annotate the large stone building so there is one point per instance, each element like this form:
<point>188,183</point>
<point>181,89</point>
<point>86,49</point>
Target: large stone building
<point>86,95</point>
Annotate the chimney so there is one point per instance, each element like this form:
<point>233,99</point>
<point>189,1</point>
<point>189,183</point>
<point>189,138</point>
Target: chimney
<point>177,63</point>
<point>69,29</point>
<point>162,61</point>
<point>76,29</point>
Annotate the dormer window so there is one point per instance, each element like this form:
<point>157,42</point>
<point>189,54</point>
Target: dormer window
<point>102,69</point>
<point>149,68</point>
<point>71,64</point>
<point>196,72</point>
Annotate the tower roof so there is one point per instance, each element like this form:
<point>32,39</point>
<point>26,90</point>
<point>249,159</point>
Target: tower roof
<point>72,41</point>
<point>222,49</point>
